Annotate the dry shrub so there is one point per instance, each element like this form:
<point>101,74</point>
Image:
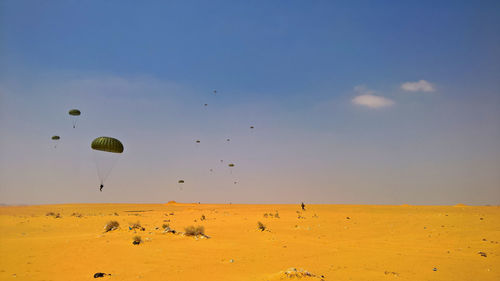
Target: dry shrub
<point>277,215</point>
<point>265,215</point>
<point>203,217</point>
<point>165,225</point>
<point>261,226</point>
<point>111,225</point>
<point>137,240</point>
<point>52,214</point>
<point>135,225</point>
<point>194,231</point>
<point>78,215</point>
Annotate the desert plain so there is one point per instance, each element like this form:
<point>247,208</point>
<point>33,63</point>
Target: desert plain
<point>324,242</point>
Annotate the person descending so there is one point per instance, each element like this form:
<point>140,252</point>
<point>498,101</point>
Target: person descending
<point>303,206</point>
<point>100,188</point>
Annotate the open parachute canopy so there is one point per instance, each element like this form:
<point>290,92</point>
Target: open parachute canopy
<point>107,144</point>
<point>231,165</point>
<point>56,137</point>
<point>181,181</point>
<point>74,112</point>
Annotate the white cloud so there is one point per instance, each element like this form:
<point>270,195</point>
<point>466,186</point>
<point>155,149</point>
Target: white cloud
<point>368,99</point>
<point>420,86</point>
<point>372,101</point>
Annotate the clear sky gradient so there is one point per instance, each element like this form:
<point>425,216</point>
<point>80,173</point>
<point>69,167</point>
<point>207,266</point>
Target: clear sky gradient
<point>353,102</point>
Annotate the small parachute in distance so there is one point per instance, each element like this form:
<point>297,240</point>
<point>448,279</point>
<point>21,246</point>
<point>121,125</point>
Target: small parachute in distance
<point>197,141</point>
<point>211,170</point>
<point>55,138</point>
<point>206,104</point>
<point>215,92</point>
<point>222,161</point>
<point>251,127</point>
<point>231,165</point>
<point>181,181</point>
<point>228,139</point>
<point>74,113</point>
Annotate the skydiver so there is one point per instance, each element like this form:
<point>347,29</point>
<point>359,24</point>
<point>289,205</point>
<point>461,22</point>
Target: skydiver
<point>303,206</point>
<point>100,188</point>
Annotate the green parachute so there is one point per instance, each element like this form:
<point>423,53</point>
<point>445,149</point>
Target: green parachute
<point>106,153</point>
<point>55,139</point>
<point>74,113</point>
<point>107,144</point>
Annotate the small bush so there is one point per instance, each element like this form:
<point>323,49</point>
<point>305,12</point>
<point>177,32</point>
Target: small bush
<point>116,214</point>
<point>111,225</point>
<point>50,214</point>
<point>203,217</point>
<point>136,225</point>
<point>165,225</point>
<point>194,231</point>
<point>261,226</point>
<point>265,215</point>
<point>277,215</point>
<point>137,240</point>
<point>78,215</point>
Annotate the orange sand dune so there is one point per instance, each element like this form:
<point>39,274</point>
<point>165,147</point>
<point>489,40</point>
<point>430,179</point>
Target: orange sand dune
<point>325,242</point>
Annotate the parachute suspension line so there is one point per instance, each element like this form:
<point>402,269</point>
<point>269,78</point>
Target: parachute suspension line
<point>102,171</point>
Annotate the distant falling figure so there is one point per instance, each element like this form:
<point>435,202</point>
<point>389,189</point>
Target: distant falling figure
<point>100,188</point>
<point>303,206</point>
<point>215,92</point>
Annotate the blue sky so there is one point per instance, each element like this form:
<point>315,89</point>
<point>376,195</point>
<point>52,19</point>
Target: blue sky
<point>353,102</point>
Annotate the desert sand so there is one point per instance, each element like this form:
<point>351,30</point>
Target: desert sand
<point>329,242</point>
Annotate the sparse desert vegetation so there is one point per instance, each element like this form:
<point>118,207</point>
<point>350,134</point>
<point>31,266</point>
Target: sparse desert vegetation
<point>136,240</point>
<point>52,214</point>
<point>84,241</point>
<point>261,226</point>
<point>194,230</point>
<point>111,225</point>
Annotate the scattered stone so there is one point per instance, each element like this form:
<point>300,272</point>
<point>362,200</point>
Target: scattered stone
<point>483,254</point>
<point>292,272</point>
<point>348,218</point>
<point>100,274</point>
<point>434,269</point>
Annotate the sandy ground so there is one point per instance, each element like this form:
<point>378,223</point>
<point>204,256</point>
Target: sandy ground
<point>338,242</point>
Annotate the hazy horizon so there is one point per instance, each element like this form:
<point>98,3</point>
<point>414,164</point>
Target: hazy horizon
<point>351,103</point>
